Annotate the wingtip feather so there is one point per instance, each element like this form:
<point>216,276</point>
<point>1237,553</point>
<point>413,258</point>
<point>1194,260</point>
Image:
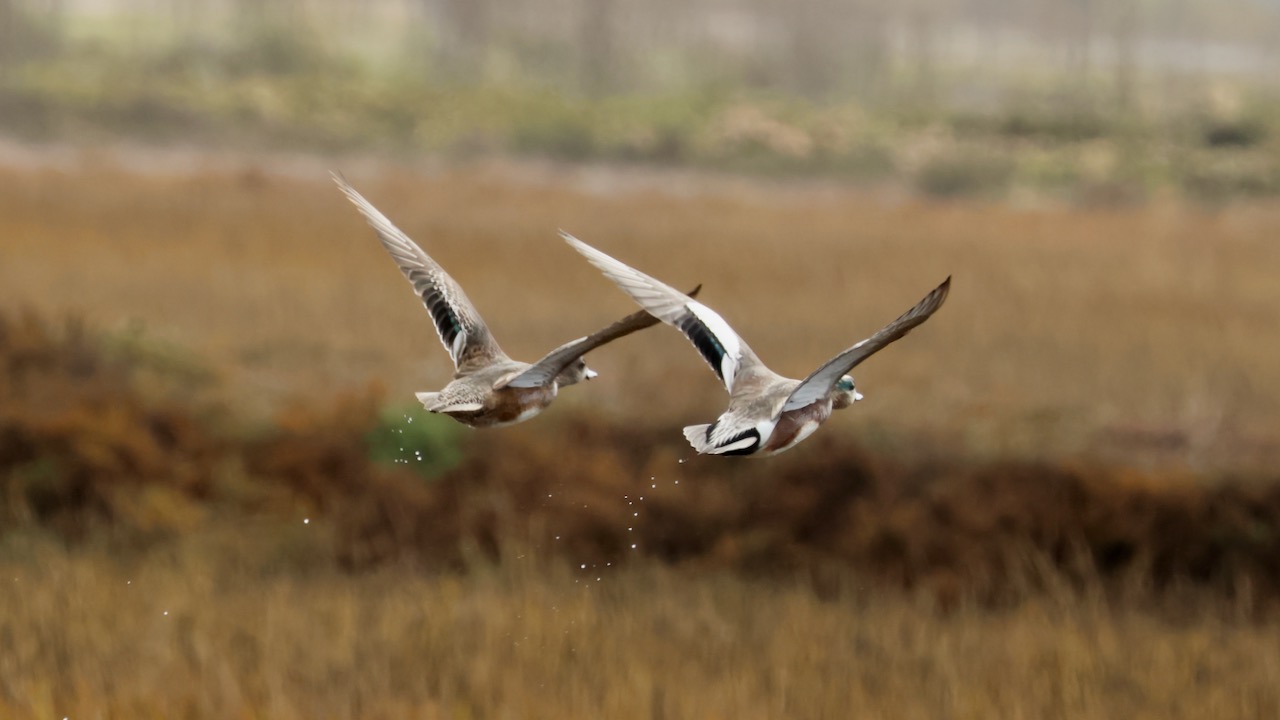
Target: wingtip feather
<point>697,437</point>
<point>341,181</point>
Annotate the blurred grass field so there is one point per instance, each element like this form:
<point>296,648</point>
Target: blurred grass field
<point>1147,334</point>
<point>1059,499</point>
<point>1100,382</point>
<point>179,636</point>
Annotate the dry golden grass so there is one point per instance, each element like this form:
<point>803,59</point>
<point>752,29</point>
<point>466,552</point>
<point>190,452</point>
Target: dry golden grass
<point>84,636</point>
<point>1144,332</point>
<point>1148,333</point>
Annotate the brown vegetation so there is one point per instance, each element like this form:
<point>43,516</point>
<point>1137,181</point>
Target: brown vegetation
<point>962,543</point>
<point>184,636</point>
<point>82,446</point>
<point>1144,334</point>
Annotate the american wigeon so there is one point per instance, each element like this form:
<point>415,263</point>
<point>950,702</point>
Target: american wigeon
<point>488,388</point>
<point>767,413</point>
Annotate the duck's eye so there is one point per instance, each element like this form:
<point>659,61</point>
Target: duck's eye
<point>845,384</point>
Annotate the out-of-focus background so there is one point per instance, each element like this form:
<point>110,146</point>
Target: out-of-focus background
<point>1059,498</point>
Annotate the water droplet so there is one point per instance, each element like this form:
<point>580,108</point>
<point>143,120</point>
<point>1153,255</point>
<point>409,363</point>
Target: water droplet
<point>681,461</point>
<point>306,521</point>
<point>584,566</point>
<point>633,546</point>
<point>677,482</point>
<point>166,612</point>
<point>654,486</point>
<point>635,514</point>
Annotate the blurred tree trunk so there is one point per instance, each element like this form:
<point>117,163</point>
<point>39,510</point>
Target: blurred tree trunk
<point>923,47</point>
<point>57,14</point>
<point>814,29</point>
<point>22,37</point>
<point>185,18</point>
<point>598,56</point>
<point>871,50</point>
<point>1126,69</point>
<point>1081,39</point>
<point>250,11</point>
<point>465,33</point>
<point>759,66</point>
<point>1082,30</point>
<point>8,36</point>
<point>253,16</point>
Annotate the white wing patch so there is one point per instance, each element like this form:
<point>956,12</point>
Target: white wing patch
<point>722,349</point>
<point>733,438</point>
<point>460,407</point>
<point>459,344</point>
<point>713,338</point>
<point>725,334</point>
<point>742,444</point>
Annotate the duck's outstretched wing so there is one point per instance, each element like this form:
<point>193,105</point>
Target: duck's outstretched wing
<point>554,362</point>
<point>722,348</point>
<point>819,383</point>
<point>460,327</point>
